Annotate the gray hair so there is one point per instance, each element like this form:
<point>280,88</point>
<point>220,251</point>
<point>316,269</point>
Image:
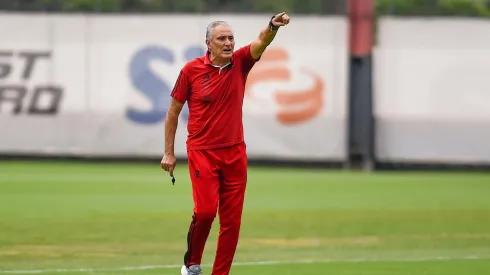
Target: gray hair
<point>212,25</point>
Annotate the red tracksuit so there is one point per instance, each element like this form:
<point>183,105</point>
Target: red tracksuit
<point>216,152</point>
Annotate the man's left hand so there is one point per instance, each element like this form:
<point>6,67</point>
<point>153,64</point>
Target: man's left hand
<point>282,19</point>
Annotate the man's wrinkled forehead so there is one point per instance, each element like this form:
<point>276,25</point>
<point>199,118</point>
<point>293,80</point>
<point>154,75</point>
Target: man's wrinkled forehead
<point>222,30</point>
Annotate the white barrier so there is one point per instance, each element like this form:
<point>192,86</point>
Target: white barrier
<point>99,85</point>
<point>432,90</point>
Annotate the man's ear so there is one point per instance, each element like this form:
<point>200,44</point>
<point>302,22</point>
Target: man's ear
<point>208,44</point>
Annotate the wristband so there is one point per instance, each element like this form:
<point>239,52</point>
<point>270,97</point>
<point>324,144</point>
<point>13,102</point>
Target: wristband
<point>271,26</point>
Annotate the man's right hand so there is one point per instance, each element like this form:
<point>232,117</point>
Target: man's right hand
<point>168,163</point>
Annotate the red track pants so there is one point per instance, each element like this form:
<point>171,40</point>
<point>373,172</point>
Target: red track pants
<point>219,178</point>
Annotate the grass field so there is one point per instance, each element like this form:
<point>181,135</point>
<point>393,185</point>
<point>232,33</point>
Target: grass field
<point>107,219</point>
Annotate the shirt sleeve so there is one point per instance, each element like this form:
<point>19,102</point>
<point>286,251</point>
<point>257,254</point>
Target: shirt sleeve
<point>182,88</point>
<point>245,56</point>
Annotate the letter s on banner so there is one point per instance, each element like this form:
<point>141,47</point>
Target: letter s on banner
<point>155,88</point>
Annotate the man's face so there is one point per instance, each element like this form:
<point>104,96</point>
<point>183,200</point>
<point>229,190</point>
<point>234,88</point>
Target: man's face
<point>222,42</point>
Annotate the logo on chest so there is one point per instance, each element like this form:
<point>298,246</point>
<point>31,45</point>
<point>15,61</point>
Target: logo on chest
<point>206,89</point>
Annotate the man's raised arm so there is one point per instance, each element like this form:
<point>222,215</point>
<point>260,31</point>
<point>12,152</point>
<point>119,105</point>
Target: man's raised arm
<point>266,36</point>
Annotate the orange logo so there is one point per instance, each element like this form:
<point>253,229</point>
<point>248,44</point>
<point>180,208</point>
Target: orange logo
<point>295,105</point>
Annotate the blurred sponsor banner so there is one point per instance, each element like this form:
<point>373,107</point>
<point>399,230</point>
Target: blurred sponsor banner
<point>432,90</point>
<point>100,85</point>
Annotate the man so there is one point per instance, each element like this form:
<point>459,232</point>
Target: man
<point>213,86</point>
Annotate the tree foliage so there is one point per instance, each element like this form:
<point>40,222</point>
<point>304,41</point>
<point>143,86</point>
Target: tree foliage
<point>474,8</point>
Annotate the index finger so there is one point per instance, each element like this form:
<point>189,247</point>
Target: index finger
<point>282,13</point>
<point>171,171</point>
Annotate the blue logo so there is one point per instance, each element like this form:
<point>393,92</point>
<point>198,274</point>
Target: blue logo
<point>156,88</point>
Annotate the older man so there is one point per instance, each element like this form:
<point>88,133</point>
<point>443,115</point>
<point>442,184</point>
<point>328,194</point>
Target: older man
<point>213,86</point>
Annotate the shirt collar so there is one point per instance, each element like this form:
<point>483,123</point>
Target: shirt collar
<point>207,61</point>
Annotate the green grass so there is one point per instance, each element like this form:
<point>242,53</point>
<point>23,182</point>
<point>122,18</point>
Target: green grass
<point>56,215</point>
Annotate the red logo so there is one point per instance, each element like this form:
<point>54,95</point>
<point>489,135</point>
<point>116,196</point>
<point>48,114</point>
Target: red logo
<point>295,105</point>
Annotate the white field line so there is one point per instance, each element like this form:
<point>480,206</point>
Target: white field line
<point>152,267</point>
<point>175,273</point>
